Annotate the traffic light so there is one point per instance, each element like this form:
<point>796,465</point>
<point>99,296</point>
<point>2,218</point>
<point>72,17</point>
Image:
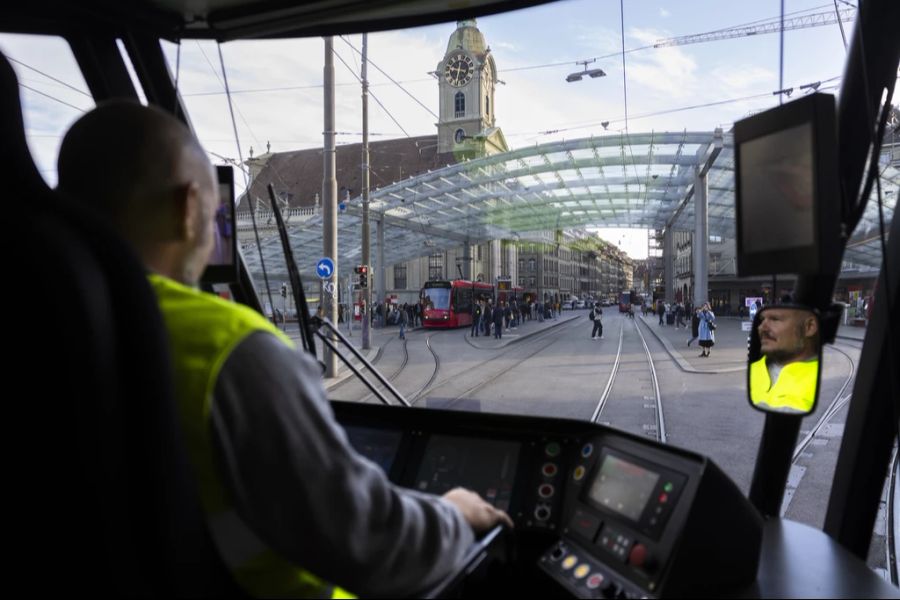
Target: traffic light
<point>363,272</point>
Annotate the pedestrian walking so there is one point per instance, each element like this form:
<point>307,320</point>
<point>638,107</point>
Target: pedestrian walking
<point>596,315</point>
<point>404,321</point>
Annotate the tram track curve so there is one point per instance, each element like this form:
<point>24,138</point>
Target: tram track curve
<point>486,366</point>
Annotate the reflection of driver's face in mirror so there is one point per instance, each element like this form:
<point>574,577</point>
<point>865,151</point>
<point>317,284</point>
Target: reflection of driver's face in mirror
<point>784,378</point>
<point>788,335</point>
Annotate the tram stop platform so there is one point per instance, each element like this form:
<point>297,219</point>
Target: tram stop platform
<point>523,330</point>
<point>729,354</point>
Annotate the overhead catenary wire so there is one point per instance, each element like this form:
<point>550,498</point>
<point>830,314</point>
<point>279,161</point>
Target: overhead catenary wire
<point>48,76</point>
<point>374,97</point>
<point>395,82</point>
<point>230,101</point>
<point>54,98</point>
<point>237,142</point>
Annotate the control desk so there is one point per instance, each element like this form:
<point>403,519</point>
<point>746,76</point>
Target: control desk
<point>599,512</point>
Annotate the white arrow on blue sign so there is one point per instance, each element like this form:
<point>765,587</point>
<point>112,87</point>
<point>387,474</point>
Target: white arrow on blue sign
<point>325,268</point>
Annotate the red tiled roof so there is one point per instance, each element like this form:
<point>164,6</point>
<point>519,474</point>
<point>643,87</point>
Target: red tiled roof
<point>299,174</point>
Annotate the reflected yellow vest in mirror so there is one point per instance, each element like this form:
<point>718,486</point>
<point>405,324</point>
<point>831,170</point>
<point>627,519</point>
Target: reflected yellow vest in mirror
<point>795,388</point>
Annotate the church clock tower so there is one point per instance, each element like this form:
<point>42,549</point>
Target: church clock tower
<point>467,77</point>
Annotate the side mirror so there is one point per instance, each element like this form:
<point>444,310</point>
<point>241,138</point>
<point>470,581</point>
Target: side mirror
<point>784,360</point>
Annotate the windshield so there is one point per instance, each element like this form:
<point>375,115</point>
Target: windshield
<point>437,298</point>
<point>558,161</point>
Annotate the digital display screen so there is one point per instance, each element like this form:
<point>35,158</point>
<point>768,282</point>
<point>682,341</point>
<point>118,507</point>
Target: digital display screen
<point>223,232</point>
<point>222,264</point>
<point>777,192</point>
<point>378,445</point>
<point>623,487</point>
<point>484,466</point>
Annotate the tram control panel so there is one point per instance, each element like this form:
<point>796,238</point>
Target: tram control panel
<point>603,513</point>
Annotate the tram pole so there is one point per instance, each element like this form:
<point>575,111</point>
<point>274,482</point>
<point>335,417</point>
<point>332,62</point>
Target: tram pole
<point>366,293</point>
<point>329,204</point>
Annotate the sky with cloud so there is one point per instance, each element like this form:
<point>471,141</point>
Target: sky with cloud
<point>277,89</point>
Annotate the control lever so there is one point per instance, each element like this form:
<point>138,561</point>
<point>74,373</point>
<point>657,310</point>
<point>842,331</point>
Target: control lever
<point>476,556</point>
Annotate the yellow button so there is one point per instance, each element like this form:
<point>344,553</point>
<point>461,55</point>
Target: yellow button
<point>582,571</point>
<point>569,562</point>
<point>579,473</point>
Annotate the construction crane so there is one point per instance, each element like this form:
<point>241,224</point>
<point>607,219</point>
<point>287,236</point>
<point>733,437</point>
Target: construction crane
<point>802,22</point>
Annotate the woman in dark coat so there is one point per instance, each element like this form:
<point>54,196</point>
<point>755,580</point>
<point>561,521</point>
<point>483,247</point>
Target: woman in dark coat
<point>695,326</point>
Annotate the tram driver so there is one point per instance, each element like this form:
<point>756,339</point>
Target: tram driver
<point>290,504</point>
<point>785,377</point>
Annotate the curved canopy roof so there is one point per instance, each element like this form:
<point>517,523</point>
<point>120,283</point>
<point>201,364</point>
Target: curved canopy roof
<point>641,180</point>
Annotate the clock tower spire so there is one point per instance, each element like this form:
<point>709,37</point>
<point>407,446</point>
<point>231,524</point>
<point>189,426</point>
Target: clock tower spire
<point>467,78</point>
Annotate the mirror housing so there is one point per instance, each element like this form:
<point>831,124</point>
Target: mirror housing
<point>785,358</point>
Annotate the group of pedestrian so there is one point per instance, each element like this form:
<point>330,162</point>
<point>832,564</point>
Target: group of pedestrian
<point>487,317</point>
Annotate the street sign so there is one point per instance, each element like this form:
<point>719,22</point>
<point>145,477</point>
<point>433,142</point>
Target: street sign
<point>746,325</point>
<point>325,268</point>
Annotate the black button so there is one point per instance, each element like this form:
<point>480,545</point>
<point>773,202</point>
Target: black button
<point>584,524</point>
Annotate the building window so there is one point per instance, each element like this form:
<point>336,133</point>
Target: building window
<point>459,102</point>
<point>487,106</point>
<point>436,266</point>
<point>400,277</point>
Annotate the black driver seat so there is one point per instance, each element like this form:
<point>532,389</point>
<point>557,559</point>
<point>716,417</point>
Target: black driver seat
<point>98,484</point>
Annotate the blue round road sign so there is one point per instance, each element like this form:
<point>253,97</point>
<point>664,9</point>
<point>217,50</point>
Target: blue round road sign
<point>325,268</point>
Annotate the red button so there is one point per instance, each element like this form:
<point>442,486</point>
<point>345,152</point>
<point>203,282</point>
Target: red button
<point>594,581</point>
<point>663,498</point>
<point>638,555</point>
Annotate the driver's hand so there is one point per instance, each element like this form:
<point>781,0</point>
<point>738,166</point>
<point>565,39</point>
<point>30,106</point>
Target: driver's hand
<point>478,513</point>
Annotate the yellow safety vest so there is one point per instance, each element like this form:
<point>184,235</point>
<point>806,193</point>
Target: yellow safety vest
<point>795,388</point>
<point>203,330</point>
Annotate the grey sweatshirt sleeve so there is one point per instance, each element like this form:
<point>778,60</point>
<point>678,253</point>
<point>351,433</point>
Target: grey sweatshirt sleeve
<point>305,491</point>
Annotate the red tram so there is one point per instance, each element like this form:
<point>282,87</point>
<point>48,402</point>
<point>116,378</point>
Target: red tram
<point>448,304</point>
<point>507,293</point>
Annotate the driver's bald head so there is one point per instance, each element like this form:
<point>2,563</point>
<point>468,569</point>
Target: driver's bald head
<point>126,160</point>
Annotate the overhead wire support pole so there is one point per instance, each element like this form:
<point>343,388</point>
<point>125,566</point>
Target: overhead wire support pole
<point>328,299</point>
<point>366,259</point>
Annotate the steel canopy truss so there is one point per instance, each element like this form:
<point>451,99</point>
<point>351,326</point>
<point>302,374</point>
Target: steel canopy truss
<point>642,180</point>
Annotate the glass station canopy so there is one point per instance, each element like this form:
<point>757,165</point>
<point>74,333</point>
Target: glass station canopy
<point>641,180</point>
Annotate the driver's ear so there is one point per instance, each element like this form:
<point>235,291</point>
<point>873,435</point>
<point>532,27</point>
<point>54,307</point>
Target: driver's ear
<point>812,326</point>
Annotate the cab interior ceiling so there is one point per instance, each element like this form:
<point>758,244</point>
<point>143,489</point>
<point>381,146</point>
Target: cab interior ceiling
<point>225,20</point>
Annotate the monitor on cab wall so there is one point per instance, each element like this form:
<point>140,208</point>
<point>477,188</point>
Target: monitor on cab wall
<point>222,267</point>
<point>787,200</point>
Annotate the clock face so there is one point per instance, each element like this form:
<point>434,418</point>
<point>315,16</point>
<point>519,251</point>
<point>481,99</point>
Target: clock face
<point>459,70</point>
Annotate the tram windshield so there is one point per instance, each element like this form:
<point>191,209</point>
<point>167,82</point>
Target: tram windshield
<point>567,150</point>
<point>438,298</point>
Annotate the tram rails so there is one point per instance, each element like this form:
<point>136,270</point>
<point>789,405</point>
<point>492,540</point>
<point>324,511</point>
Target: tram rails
<point>624,406</point>
<point>486,372</point>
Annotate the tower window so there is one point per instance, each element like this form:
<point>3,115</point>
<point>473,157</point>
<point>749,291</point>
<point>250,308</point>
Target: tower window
<point>459,102</point>
<point>487,105</point>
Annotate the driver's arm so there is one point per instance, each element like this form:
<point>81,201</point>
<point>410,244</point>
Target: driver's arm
<point>308,495</point>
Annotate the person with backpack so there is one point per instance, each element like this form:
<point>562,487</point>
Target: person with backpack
<point>596,315</point>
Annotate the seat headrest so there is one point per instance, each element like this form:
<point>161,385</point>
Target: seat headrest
<point>16,164</point>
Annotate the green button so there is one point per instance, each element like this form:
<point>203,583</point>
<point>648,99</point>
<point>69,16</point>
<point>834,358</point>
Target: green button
<point>668,487</point>
<point>552,449</point>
